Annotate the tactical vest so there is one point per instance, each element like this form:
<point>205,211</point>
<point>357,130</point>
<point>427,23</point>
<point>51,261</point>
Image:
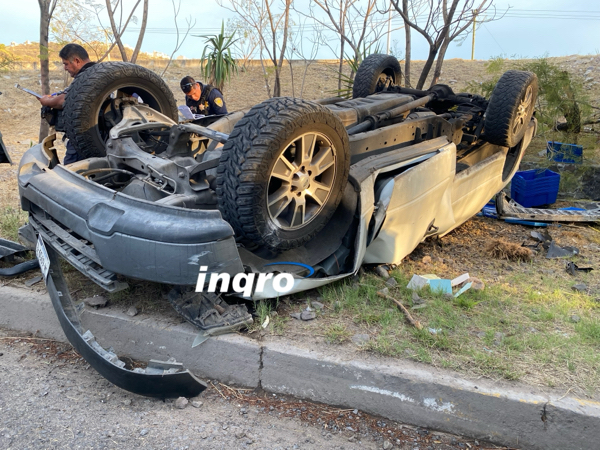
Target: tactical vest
<point>206,90</point>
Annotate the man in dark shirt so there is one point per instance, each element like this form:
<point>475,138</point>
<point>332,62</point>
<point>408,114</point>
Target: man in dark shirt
<point>75,60</point>
<point>202,98</point>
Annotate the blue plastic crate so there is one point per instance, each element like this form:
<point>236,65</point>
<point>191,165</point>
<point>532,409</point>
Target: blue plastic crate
<point>534,187</point>
<point>565,153</point>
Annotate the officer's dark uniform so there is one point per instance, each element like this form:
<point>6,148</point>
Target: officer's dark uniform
<point>210,101</point>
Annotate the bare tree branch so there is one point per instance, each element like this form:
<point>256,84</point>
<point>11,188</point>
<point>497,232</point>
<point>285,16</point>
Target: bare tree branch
<point>178,44</point>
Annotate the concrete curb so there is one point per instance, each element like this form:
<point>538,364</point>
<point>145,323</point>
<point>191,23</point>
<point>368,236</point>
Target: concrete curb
<point>505,413</point>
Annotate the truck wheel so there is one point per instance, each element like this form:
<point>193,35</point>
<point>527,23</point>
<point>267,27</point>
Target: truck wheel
<point>510,108</point>
<point>91,107</point>
<point>375,73</point>
<point>282,172</point>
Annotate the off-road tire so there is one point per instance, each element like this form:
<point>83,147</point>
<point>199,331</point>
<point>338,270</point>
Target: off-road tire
<point>374,72</point>
<point>247,165</point>
<point>510,108</point>
<point>89,92</point>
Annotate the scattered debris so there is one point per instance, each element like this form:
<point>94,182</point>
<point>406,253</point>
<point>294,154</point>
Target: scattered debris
<point>200,338</point>
<point>410,318</point>
<point>460,279</point>
<point>11,252</point>
<point>308,315</point>
<point>266,322</point>
<point>391,282</point>
<point>144,432</point>
<point>555,251</point>
<point>33,281</point>
<point>382,272</point>
<point>97,301</point>
<point>507,208</point>
<point>441,286</point>
<point>196,402</point>
<point>132,311</point>
<point>501,249</point>
<point>181,402</point>
<point>297,316</point>
<point>420,281</point>
<point>464,289</point>
<point>317,305</point>
<point>434,330</point>
<point>416,299</point>
<point>526,222</point>
<point>572,268</point>
<point>541,236</point>
<point>579,287</point>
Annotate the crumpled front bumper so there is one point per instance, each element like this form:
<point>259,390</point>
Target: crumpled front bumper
<point>118,233</point>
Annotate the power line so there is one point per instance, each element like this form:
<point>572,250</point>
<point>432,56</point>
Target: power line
<point>511,13</point>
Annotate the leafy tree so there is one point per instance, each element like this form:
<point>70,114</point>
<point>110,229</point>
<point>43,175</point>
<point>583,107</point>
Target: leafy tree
<point>6,58</point>
<point>562,101</point>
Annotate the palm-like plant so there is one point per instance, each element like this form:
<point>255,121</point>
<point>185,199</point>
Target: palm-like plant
<point>217,63</point>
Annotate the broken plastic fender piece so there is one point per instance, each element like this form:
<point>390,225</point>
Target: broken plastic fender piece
<point>420,281</point>
<point>9,249</point>
<point>464,289</point>
<point>572,268</point>
<point>162,379</point>
<point>555,251</point>
<point>200,338</point>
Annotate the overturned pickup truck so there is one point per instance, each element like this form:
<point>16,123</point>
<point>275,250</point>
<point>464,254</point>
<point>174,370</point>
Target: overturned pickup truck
<point>310,189</point>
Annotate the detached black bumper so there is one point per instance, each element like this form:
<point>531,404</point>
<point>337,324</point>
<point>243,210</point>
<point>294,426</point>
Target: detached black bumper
<point>163,379</point>
<point>95,227</point>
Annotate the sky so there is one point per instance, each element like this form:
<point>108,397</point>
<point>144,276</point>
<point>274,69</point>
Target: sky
<point>529,28</point>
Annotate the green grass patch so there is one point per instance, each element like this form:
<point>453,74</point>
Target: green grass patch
<point>522,329</point>
<point>11,219</point>
<point>337,333</point>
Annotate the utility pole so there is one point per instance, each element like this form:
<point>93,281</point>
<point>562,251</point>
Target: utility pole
<point>389,29</point>
<point>473,43</point>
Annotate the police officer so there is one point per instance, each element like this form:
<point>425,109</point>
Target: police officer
<point>202,98</point>
<point>75,60</point>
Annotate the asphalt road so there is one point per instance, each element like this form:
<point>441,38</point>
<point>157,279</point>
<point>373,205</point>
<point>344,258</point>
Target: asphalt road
<point>51,398</point>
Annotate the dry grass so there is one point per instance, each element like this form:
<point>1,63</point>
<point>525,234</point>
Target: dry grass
<point>501,249</point>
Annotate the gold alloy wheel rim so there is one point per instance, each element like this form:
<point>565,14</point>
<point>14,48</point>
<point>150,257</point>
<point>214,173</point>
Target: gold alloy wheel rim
<point>523,110</point>
<point>301,181</point>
